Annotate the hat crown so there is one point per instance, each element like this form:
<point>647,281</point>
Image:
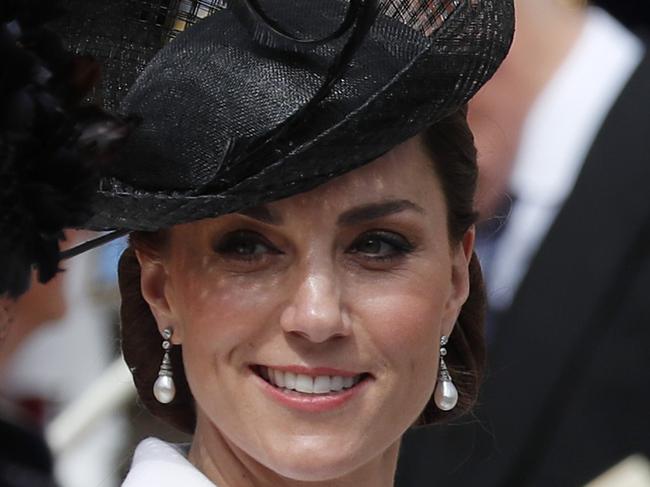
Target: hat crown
<point>214,84</point>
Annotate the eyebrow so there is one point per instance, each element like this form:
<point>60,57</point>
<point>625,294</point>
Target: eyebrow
<point>353,216</point>
<point>262,213</point>
<point>373,211</point>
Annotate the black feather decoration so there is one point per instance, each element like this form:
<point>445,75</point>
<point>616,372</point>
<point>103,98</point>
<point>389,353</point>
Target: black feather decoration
<point>52,147</point>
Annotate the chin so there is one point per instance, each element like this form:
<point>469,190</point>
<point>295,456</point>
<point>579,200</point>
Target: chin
<point>312,460</point>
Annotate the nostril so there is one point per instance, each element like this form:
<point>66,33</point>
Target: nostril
<point>338,336</point>
<point>318,334</point>
<point>299,334</point>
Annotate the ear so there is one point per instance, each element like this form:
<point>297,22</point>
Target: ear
<point>461,256</point>
<point>156,289</point>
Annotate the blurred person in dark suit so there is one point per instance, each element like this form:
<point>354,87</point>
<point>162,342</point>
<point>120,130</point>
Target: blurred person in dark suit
<point>563,132</point>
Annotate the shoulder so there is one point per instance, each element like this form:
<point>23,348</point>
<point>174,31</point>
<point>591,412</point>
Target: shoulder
<point>156,462</point>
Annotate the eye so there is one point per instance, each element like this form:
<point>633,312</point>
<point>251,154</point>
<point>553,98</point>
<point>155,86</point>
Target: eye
<point>381,245</point>
<point>244,245</point>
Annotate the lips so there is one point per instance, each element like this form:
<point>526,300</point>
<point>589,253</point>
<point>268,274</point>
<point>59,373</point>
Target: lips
<point>308,383</point>
<point>311,382</point>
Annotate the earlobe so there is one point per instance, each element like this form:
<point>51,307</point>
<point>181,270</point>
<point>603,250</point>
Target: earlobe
<point>154,286</point>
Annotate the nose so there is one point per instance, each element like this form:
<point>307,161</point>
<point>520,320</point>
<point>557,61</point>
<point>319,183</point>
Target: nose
<point>314,311</point>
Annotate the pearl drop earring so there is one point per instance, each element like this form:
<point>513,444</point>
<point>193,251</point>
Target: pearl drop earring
<point>164,389</point>
<point>446,394</point>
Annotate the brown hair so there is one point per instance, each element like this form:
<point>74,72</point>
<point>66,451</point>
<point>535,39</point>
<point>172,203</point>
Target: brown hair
<point>451,146</point>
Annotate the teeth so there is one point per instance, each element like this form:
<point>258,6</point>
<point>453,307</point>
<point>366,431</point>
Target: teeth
<point>322,384</point>
<point>304,383</point>
<point>307,384</point>
<point>336,383</point>
<point>279,378</point>
<point>289,379</point>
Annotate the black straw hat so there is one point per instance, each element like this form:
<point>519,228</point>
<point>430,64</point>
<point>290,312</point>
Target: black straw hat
<point>260,100</point>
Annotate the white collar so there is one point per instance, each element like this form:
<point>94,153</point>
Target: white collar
<point>565,118</point>
<point>163,465</point>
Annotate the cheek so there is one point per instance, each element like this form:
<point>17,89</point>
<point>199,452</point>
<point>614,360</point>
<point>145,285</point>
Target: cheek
<point>405,320</point>
<point>404,323</point>
<point>406,327</point>
<point>219,312</point>
<point>405,310</point>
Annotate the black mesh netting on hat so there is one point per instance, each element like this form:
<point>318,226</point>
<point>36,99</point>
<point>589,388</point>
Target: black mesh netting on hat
<point>246,107</point>
<point>123,35</point>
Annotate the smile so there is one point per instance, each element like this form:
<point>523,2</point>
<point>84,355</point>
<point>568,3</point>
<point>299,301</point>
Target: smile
<point>312,390</point>
<point>308,384</point>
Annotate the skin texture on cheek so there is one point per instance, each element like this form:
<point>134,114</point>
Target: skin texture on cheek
<point>409,317</point>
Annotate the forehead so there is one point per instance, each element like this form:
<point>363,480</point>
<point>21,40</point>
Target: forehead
<point>405,172</point>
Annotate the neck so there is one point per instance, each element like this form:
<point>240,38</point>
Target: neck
<point>227,465</point>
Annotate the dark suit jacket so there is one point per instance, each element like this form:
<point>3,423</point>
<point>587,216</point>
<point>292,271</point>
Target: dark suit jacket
<point>568,388</point>
<point>25,460</point>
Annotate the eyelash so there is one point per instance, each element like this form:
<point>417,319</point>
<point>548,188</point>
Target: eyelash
<point>231,245</point>
<point>400,246</point>
<point>234,245</point>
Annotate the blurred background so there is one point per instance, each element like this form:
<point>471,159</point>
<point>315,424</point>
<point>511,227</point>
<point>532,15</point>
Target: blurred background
<point>65,378</point>
<point>633,13</point>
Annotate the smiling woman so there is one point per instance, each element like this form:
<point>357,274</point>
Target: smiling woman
<point>299,194</point>
<point>309,326</point>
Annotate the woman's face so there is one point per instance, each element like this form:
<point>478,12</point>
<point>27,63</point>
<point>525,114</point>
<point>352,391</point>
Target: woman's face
<point>340,295</point>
